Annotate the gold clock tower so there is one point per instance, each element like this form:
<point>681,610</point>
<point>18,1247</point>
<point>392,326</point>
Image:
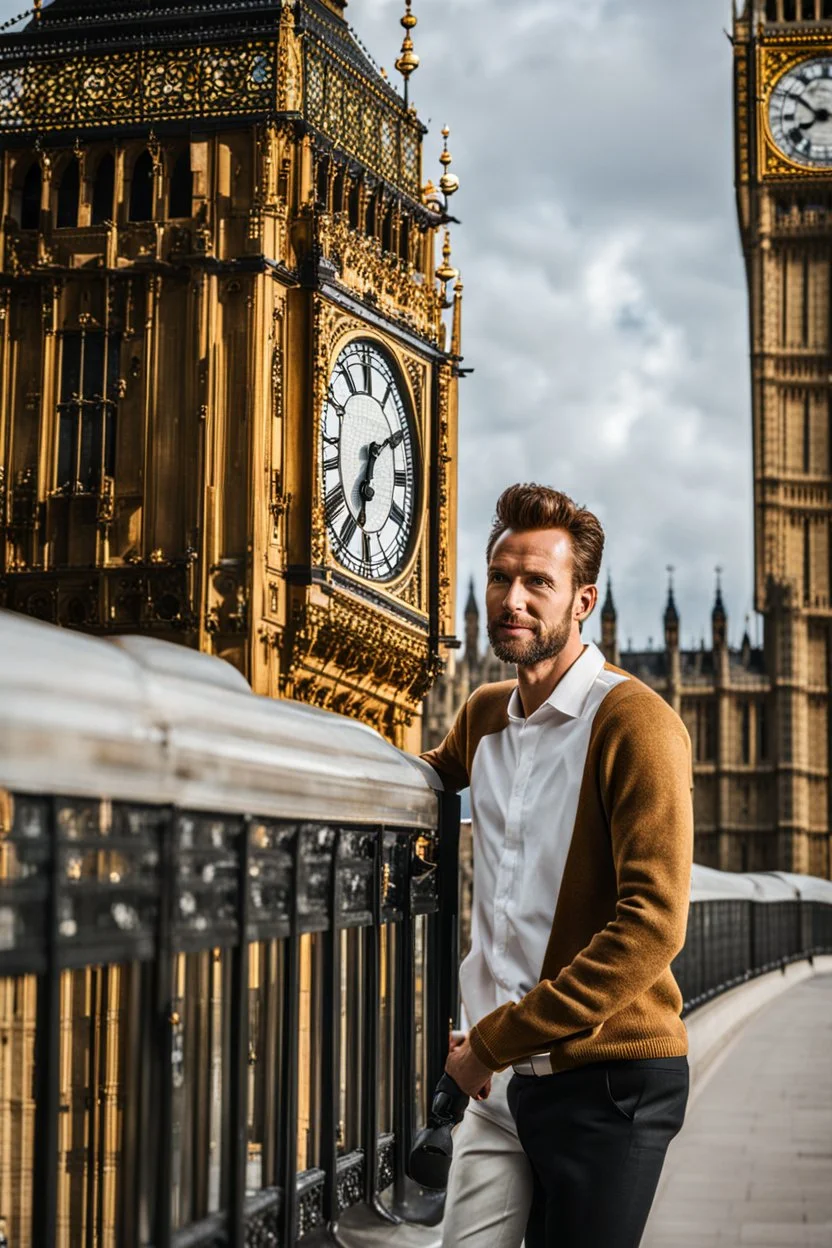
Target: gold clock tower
<point>229,401</point>
<point>783,91</point>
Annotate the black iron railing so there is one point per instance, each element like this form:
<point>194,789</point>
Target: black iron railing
<point>732,940</point>
<point>223,1030</point>
<point>218,1030</point>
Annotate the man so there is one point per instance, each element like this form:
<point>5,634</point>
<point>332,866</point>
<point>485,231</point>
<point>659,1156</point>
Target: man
<point>580,782</point>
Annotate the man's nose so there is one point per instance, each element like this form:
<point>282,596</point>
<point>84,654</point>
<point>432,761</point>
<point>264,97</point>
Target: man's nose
<point>515,597</point>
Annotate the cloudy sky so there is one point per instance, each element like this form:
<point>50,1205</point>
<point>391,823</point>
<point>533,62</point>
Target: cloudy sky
<point>605,310</point>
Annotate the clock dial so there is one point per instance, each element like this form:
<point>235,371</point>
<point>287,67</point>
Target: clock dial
<point>800,113</point>
<point>368,464</point>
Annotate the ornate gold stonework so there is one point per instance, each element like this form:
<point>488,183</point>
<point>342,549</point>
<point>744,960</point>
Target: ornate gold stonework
<point>201,212</point>
<point>785,211</point>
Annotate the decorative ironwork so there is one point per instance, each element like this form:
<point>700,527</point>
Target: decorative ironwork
<point>360,118</point>
<point>310,1202</point>
<point>386,1162</point>
<point>207,856</point>
<point>262,1228</point>
<point>136,85</point>
<point>270,878</point>
<point>350,1181</point>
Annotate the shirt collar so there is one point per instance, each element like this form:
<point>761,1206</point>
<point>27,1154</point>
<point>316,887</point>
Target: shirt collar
<point>570,693</point>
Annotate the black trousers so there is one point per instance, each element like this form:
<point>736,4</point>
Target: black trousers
<point>596,1138</point>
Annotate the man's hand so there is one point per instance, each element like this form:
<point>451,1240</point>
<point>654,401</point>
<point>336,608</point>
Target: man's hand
<point>466,1069</point>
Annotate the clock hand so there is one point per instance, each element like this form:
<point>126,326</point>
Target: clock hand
<point>800,100</point>
<point>366,490</point>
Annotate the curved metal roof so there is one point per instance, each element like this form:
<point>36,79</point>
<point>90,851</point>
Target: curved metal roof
<point>138,719</point>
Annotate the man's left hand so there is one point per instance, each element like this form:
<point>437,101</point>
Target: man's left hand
<point>468,1072</point>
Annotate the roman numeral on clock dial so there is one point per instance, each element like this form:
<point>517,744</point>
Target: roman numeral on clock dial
<point>334,504</point>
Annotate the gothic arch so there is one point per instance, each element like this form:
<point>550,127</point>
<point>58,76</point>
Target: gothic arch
<point>30,197</point>
<point>103,190</point>
<point>181,188</point>
<point>68,195</point>
<point>141,188</point>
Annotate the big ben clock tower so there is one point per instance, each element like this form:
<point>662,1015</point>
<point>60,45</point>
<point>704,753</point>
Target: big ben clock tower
<point>229,361</point>
<point>783,95</point>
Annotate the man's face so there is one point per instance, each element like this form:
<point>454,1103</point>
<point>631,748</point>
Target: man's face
<point>531,603</point>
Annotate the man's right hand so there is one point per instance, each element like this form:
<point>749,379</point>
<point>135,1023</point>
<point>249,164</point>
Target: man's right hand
<point>455,1041</point>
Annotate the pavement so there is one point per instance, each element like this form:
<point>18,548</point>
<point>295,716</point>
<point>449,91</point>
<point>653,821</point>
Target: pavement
<point>753,1164</point>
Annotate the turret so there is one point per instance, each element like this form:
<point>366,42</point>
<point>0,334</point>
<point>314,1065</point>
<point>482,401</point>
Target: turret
<point>719,618</point>
<point>472,627</point>
<point>609,627</point>
<point>671,617</point>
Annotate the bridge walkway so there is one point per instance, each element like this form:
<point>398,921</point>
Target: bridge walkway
<point>753,1165</point>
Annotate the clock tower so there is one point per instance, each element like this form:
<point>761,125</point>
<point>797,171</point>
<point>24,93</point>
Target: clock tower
<point>783,103</point>
<point>229,345</point>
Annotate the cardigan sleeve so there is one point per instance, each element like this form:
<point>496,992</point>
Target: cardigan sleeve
<point>645,783</point>
<point>449,759</point>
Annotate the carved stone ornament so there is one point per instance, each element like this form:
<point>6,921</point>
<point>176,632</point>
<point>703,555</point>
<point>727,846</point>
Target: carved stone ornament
<point>390,282</point>
<point>365,648</point>
<point>289,64</point>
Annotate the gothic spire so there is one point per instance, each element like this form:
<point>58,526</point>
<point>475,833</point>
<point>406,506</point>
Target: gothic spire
<point>608,611</point>
<point>719,616</point>
<point>671,615</point>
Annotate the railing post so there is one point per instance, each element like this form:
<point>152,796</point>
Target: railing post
<point>161,1081</point>
<point>239,1050</point>
<point>287,1118</point>
<point>47,1058</point>
<point>403,1044</point>
<point>443,950</point>
<point>369,1107</point>
<point>331,1045</point>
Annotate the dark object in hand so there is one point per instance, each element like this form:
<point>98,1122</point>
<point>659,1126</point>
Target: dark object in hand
<point>430,1157</point>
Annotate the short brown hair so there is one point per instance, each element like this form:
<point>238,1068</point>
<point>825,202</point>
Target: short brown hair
<point>539,507</point>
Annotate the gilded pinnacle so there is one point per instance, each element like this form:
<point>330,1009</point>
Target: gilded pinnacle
<point>446,271</point>
<point>408,61</point>
<point>449,182</point>
<point>430,197</point>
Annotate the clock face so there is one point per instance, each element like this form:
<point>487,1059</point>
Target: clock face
<point>800,113</point>
<point>368,464</point>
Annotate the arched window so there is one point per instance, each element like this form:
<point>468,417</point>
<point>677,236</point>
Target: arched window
<point>372,216</point>
<point>180,200</point>
<point>103,189</point>
<point>387,230</point>
<point>338,192</point>
<point>354,204</point>
<point>69,190</point>
<point>322,182</point>
<point>30,200</point>
<point>141,190</point>
<point>404,238</point>
<point>789,14</point>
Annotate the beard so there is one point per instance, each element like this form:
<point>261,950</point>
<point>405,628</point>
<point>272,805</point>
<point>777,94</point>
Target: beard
<point>546,643</point>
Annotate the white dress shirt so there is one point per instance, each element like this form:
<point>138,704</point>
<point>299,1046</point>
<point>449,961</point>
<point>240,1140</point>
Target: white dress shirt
<point>525,784</point>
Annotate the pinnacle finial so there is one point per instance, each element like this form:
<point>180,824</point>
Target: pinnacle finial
<point>407,62</point>
<point>671,614</point>
<point>38,4</point>
<point>449,182</point>
<point>446,271</point>
<point>608,610</point>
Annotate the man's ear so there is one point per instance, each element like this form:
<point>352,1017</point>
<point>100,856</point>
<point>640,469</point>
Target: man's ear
<point>586,600</point>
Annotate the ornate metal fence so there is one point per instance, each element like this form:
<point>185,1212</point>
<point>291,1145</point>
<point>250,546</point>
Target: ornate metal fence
<point>214,1029</point>
<point>732,940</point>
